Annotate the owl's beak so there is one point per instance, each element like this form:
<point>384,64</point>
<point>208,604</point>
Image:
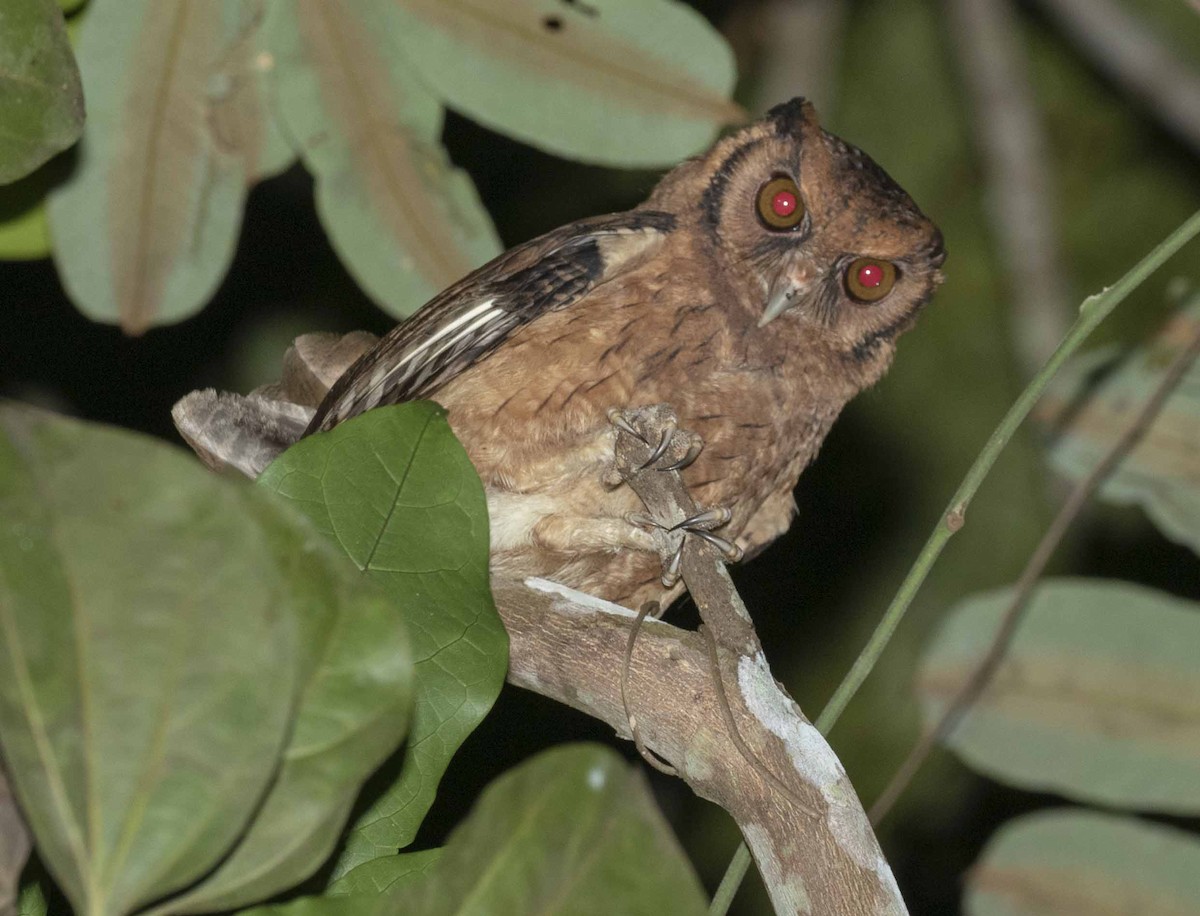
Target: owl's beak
<point>785,290</point>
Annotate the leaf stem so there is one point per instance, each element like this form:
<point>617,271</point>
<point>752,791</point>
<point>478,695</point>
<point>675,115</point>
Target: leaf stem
<point>1091,313</point>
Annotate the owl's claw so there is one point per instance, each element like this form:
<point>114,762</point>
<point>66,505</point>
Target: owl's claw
<point>670,574</point>
<point>698,525</point>
<point>664,443</point>
<point>616,417</point>
<point>729,550</point>
<point>693,452</point>
<point>709,518</point>
<point>659,425</point>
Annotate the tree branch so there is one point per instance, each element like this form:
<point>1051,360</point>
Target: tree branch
<point>568,646</point>
<point>743,743</point>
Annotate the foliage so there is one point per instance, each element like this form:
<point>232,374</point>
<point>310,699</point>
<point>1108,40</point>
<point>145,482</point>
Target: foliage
<point>190,105</point>
<point>41,100</point>
<point>1097,699</point>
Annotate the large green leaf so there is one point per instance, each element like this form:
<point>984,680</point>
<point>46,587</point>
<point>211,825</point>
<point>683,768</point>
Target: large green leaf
<point>404,221</point>
<point>41,99</point>
<point>1098,697</point>
<point>569,832</point>
<point>618,82</point>
<point>396,490</point>
<point>1162,471</point>
<point>147,639</point>
<point>145,228</point>
<point>1081,863</point>
<point>574,831</point>
<point>356,675</point>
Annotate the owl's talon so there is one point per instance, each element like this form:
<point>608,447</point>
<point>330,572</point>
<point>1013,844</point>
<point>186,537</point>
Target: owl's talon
<point>664,443</point>
<point>616,417</point>
<point>671,574</point>
<point>729,550</point>
<point>709,518</point>
<point>693,452</point>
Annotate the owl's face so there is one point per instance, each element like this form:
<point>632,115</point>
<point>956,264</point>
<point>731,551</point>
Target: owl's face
<point>820,237</point>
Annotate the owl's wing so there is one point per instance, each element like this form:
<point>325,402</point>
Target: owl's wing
<point>470,319</point>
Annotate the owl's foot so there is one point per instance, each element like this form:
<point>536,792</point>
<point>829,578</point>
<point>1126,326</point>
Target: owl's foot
<point>700,525</point>
<point>673,448</point>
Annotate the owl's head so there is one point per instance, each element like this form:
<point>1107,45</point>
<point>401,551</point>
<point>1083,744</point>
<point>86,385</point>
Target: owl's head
<point>814,228</point>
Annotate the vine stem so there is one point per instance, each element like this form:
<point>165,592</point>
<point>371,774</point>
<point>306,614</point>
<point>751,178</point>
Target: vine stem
<point>1093,311</point>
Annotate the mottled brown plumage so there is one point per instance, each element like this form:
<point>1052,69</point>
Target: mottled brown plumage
<point>664,303</point>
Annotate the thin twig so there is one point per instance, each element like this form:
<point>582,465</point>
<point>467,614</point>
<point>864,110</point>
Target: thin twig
<point>1093,311</point>
<point>981,676</point>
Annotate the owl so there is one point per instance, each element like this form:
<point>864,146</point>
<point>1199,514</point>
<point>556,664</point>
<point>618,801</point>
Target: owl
<point>759,287</point>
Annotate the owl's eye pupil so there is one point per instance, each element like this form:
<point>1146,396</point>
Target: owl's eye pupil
<point>784,203</point>
<point>870,276</point>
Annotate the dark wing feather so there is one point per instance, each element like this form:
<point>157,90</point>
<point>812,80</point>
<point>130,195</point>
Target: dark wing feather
<point>464,323</point>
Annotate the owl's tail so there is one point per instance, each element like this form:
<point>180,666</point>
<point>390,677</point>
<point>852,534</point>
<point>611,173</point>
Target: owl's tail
<point>247,432</point>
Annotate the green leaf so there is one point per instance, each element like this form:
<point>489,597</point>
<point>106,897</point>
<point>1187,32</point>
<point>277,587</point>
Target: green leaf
<point>146,226</point>
<point>396,490</point>
<point>574,831</point>
<point>32,901</point>
<point>1082,863</point>
<point>404,221</point>
<point>354,710</point>
<point>41,99</point>
<point>387,873</point>
<point>616,82</point>
<point>1097,699</point>
<point>147,654</point>
<point>1162,471</point>
<point>571,831</point>
<point>24,230</point>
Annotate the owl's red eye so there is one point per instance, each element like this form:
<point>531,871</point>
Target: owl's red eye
<point>869,280</point>
<point>779,204</point>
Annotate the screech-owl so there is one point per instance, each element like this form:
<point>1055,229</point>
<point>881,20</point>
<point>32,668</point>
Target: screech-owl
<point>760,287</point>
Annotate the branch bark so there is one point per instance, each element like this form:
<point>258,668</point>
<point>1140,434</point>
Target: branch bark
<point>743,744</point>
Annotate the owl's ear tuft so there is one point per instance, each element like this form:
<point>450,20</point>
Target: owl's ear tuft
<point>790,118</point>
